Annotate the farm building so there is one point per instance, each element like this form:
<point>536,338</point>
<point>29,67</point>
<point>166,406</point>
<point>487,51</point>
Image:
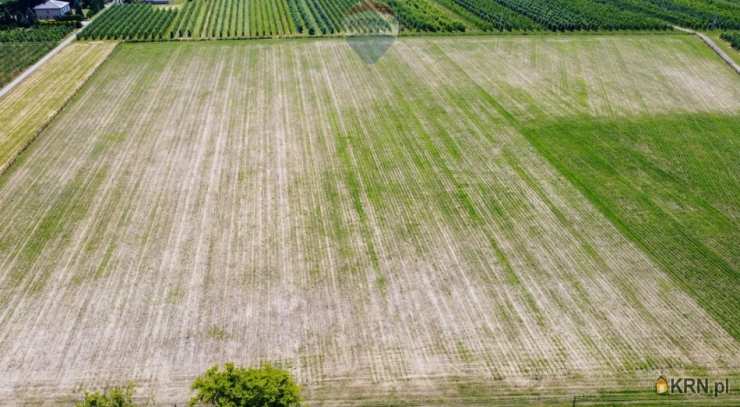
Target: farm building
<point>51,9</point>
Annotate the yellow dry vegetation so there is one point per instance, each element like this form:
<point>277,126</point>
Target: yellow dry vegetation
<point>30,106</point>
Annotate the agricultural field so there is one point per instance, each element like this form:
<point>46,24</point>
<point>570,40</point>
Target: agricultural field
<point>571,15</point>
<point>700,14</point>
<point>230,19</point>
<point>21,47</point>
<point>651,182</point>
<point>235,19</point>
<point>27,108</point>
<point>133,21</point>
<point>468,220</point>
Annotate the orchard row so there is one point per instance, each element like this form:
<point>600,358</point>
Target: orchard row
<point>209,19</point>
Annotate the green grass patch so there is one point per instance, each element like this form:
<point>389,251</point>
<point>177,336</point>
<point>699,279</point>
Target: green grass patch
<point>670,184</point>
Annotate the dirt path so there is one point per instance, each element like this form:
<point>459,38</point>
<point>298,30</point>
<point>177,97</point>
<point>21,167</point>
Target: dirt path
<point>722,54</point>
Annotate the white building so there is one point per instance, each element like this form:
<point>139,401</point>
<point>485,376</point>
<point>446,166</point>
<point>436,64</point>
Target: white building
<point>51,9</point>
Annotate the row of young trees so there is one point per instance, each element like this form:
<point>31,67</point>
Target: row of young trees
<point>236,19</point>
<point>253,18</point>
<point>314,17</point>
<point>302,17</point>
<point>20,47</point>
<point>131,22</point>
<point>607,16</point>
<point>185,21</point>
<point>38,33</point>
<point>267,18</point>
<point>491,16</point>
<point>200,19</point>
<point>699,14</point>
<point>422,15</point>
<point>17,56</point>
<point>572,15</point>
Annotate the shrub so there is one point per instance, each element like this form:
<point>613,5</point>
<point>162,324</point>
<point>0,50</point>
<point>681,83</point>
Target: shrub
<point>733,38</point>
<point>113,397</point>
<point>239,387</point>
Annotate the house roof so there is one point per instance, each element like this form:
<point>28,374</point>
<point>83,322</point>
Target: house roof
<point>52,5</point>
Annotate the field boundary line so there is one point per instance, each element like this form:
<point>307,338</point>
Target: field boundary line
<point>72,96</point>
<point>710,42</point>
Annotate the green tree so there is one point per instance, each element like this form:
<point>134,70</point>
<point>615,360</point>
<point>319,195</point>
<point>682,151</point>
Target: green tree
<point>240,387</point>
<point>113,397</point>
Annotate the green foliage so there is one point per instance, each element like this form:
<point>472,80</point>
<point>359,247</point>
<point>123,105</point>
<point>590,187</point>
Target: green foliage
<point>130,22</point>
<point>218,19</point>
<point>570,15</point>
<point>21,47</point>
<point>240,387</point>
<point>15,57</point>
<point>114,397</point>
<point>492,16</point>
<point>319,16</point>
<point>699,14</point>
<point>733,38</point>
<point>422,15</point>
<point>39,33</point>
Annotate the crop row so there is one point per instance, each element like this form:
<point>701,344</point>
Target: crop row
<point>36,34</point>
<point>263,18</point>
<point>422,15</point>
<point>131,22</point>
<point>15,57</point>
<point>332,16</point>
<point>570,15</point>
<point>490,15</point>
<point>351,16</point>
<point>236,19</point>
<point>212,19</point>
<point>21,47</point>
<point>702,14</point>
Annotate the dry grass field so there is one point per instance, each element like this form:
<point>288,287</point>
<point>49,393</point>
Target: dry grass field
<point>409,230</point>
<point>28,107</point>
